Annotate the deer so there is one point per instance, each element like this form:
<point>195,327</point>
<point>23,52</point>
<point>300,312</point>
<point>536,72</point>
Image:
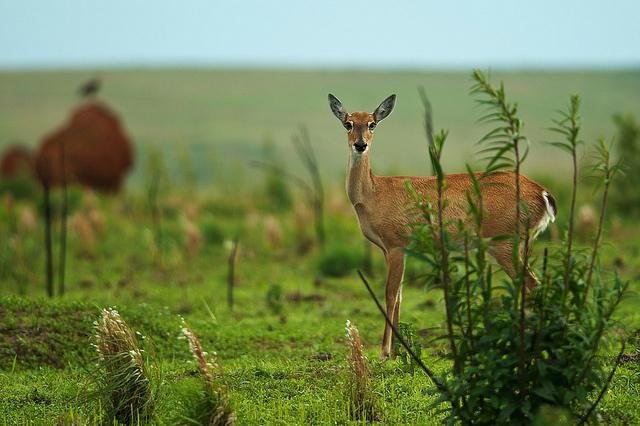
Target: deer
<point>381,204</point>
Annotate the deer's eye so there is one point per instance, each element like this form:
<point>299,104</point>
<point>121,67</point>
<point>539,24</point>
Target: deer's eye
<point>372,126</point>
<point>348,125</point>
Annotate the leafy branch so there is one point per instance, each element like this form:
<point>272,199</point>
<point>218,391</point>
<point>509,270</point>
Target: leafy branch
<point>568,125</point>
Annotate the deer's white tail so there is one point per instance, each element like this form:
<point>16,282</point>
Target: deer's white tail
<point>549,215</point>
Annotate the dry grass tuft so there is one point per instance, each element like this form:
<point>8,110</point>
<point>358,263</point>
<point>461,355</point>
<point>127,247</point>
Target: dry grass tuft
<point>125,377</point>
<point>302,217</point>
<point>587,221</point>
<point>82,227</point>
<point>273,231</point>
<point>359,381</point>
<point>214,409</point>
<point>28,220</point>
<point>193,239</point>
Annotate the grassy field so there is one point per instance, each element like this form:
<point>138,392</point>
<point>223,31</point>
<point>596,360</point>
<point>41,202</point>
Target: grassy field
<point>283,345</point>
<point>284,357</point>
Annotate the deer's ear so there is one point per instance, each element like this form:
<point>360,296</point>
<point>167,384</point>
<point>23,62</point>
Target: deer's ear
<point>385,108</point>
<point>337,108</point>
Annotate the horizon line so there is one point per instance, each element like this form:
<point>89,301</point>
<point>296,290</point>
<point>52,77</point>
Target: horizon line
<point>633,66</point>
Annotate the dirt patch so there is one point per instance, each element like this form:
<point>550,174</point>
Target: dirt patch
<point>35,337</point>
<point>298,297</point>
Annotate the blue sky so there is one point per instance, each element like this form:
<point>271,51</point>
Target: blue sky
<point>323,33</point>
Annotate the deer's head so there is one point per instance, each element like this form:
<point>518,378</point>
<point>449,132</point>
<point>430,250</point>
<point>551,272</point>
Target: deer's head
<point>360,125</point>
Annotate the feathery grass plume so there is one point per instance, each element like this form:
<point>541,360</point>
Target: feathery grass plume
<point>213,407</point>
<point>359,386</point>
<point>125,379</point>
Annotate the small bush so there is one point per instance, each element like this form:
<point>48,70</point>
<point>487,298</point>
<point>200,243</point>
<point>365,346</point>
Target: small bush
<point>278,193</point>
<point>408,333</point>
<point>75,196</point>
<point>20,187</point>
<point>516,354</point>
<point>274,299</point>
<point>339,261</point>
<point>212,232</point>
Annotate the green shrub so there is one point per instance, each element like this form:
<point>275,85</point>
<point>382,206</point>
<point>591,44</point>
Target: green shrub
<point>516,353</point>
<point>339,261</point>
<point>408,333</point>
<point>21,187</point>
<point>74,200</point>
<point>212,232</point>
<point>274,299</point>
<point>278,192</point>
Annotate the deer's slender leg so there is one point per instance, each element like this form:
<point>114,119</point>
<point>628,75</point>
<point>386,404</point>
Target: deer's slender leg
<point>395,271</point>
<point>396,312</point>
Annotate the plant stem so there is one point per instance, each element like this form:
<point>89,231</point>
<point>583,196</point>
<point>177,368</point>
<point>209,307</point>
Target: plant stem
<point>545,286</point>
<point>468,290</point>
<point>63,225</point>
<point>428,123</point>
<point>304,150</point>
<point>47,238</point>
<point>444,271</point>
<point>571,133</point>
<point>596,242</point>
<point>574,190</point>
<point>231,276</point>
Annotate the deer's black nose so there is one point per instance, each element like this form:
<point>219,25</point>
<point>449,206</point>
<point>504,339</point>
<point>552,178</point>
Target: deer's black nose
<point>360,146</point>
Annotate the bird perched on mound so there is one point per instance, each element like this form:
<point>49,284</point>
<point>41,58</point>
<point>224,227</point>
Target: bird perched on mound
<point>89,88</point>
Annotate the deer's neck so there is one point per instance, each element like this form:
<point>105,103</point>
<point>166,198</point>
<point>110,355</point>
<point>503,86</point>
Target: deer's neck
<point>359,178</point>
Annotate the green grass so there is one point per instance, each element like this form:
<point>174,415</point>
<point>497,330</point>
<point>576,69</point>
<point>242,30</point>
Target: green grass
<point>275,363</point>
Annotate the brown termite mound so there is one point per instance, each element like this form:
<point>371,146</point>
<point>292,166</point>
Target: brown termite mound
<point>92,149</point>
<point>16,160</point>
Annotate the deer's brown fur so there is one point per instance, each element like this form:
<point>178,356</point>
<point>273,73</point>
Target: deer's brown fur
<point>382,205</point>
